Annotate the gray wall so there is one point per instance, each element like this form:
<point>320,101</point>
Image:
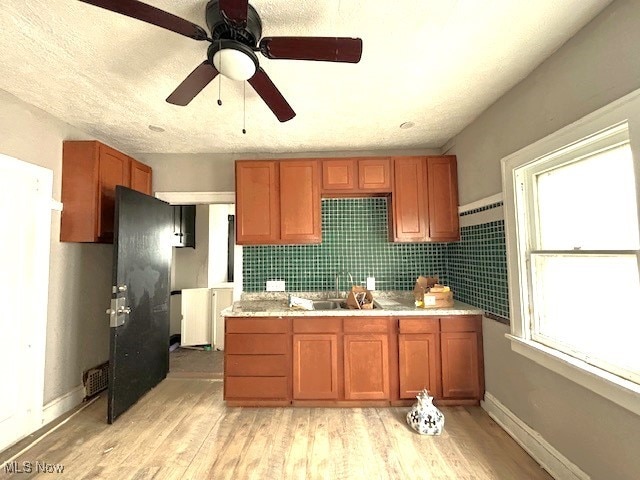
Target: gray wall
<point>598,65</point>
<point>80,275</point>
<point>215,172</point>
<point>191,265</point>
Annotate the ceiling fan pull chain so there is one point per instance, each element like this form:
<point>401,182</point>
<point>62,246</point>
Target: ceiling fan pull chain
<point>244,107</point>
<point>220,78</point>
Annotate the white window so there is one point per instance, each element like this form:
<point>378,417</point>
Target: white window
<point>574,250</point>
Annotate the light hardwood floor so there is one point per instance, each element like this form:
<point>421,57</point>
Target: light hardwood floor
<point>182,429</point>
<point>189,363</point>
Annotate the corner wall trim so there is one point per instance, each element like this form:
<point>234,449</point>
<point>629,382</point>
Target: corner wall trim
<point>62,404</point>
<point>483,202</point>
<point>532,442</point>
<point>188,198</point>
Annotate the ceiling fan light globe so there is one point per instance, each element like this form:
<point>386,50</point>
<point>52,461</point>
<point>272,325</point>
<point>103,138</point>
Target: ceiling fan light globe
<point>234,64</point>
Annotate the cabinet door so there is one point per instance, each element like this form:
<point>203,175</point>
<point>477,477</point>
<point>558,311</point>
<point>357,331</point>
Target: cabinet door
<point>184,226</point>
<point>419,364</point>
<point>442,190</point>
<point>140,176</point>
<point>257,212</point>
<point>300,220</point>
<point>315,366</point>
<point>460,365</point>
<point>339,174</point>
<point>409,202</point>
<point>113,170</point>
<point>374,174</point>
<point>366,367</point>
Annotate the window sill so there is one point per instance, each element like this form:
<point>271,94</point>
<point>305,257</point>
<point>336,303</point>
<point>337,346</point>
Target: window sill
<point>623,392</point>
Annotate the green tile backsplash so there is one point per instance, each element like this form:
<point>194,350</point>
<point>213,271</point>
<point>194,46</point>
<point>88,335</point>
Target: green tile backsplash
<point>355,239</point>
<point>477,267</point>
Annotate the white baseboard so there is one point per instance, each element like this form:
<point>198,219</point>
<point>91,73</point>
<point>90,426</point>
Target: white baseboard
<point>558,466</point>
<point>61,405</point>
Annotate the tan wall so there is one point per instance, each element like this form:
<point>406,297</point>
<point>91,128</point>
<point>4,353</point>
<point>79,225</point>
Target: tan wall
<point>80,275</point>
<point>598,65</point>
<point>215,172</point>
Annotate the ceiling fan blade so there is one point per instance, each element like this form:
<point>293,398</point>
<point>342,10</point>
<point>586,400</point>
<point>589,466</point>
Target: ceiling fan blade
<point>152,15</point>
<point>262,84</point>
<point>193,84</point>
<point>235,11</point>
<point>325,49</point>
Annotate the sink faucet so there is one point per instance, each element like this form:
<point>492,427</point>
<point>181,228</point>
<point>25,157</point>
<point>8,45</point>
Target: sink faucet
<point>338,294</point>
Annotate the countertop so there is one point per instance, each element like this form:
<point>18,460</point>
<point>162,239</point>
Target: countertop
<point>388,304</point>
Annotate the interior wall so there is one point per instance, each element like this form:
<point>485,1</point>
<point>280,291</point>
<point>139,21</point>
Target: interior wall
<point>79,275</point>
<point>215,172</point>
<point>601,63</point>
<point>191,264</point>
<point>598,65</point>
<point>219,242</point>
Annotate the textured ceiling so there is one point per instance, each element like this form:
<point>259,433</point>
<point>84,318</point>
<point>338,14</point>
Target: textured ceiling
<point>436,63</point>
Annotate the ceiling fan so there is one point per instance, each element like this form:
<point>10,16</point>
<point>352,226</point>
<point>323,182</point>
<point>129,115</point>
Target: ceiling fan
<point>236,31</point>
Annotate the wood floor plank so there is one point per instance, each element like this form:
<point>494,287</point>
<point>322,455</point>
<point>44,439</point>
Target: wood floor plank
<point>296,460</point>
<point>183,430</point>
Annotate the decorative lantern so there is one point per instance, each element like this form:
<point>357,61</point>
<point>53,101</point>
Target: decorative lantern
<point>424,417</point>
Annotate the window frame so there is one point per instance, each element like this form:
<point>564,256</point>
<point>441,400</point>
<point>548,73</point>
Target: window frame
<point>519,215</point>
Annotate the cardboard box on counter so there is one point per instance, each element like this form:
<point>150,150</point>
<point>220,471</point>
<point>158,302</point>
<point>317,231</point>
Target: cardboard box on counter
<point>429,294</point>
<point>360,298</point>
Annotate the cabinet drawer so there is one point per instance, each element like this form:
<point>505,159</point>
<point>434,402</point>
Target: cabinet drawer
<point>366,325</point>
<point>470,323</point>
<point>256,365</point>
<point>256,387</point>
<point>419,325</point>
<point>317,325</point>
<point>256,325</point>
<point>256,343</point>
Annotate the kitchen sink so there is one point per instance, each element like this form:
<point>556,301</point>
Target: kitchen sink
<point>328,304</point>
<point>337,304</point>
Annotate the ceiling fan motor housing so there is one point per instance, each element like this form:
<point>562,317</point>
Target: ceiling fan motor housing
<point>222,29</point>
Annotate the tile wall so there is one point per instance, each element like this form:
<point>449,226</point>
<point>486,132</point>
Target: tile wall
<point>477,267</point>
<point>356,241</point>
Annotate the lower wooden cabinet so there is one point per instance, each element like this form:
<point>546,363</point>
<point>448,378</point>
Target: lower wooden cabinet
<point>443,355</point>
<point>353,360</point>
<point>419,364</point>
<point>315,366</point>
<point>257,361</point>
<point>366,367</point>
<point>460,371</point>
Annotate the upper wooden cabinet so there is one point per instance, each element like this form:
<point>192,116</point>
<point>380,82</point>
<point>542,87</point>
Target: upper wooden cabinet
<point>278,202</point>
<point>342,176</point>
<point>300,217</point>
<point>140,176</point>
<point>425,199</point>
<point>409,206</point>
<point>90,173</point>
<point>442,192</point>
<point>257,203</point>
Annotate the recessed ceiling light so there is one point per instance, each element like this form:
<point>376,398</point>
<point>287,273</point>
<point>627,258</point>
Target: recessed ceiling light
<point>155,128</point>
<point>406,125</point>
